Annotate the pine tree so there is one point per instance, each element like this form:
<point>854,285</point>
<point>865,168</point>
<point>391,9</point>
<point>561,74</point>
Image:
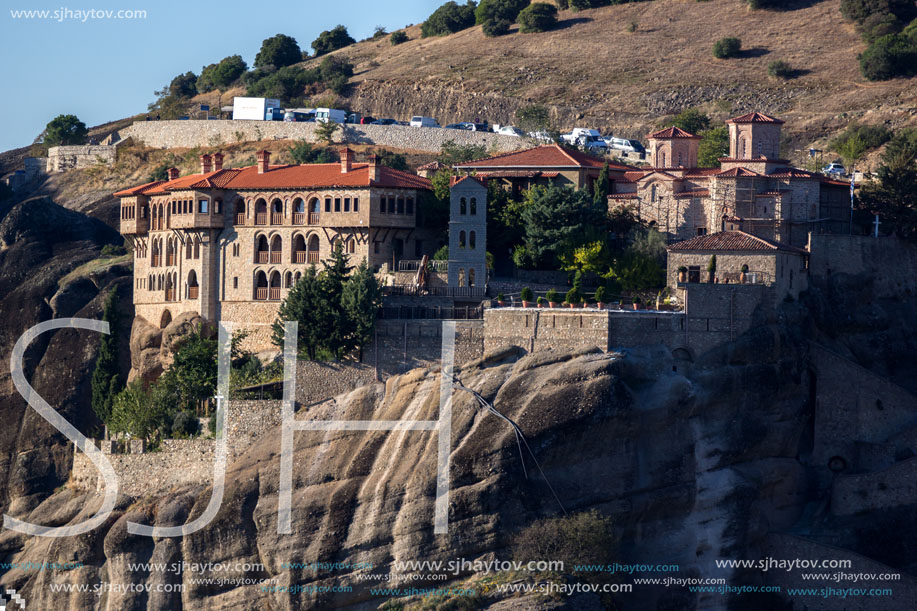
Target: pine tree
<point>333,278</point>
<point>106,379</point>
<point>601,187</point>
<point>304,303</point>
<point>362,298</point>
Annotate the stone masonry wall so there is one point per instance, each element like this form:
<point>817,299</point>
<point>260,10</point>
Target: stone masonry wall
<point>186,134</point>
<point>864,255</point>
<point>63,158</point>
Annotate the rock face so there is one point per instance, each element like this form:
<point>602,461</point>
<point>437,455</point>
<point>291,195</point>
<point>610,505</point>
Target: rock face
<point>152,348</point>
<point>679,458</point>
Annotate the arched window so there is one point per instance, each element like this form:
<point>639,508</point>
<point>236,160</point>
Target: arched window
<point>315,206</point>
<point>287,280</point>
<point>463,206</point>
<point>461,276</point>
<point>474,207</point>
<point>663,159</point>
<point>313,249</point>
<point>240,211</point>
<point>188,249</point>
<point>262,250</point>
<point>197,247</point>
<point>653,193</point>
<point>471,277</point>
<point>299,211</point>
<point>461,239</point>
<point>299,249</point>
<point>471,240</point>
<point>260,212</point>
<point>275,285</point>
<point>261,292</point>
<point>296,277</point>
<point>277,212</point>
<point>276,248</point>
<point>192,285</point>
<point>351,246</point>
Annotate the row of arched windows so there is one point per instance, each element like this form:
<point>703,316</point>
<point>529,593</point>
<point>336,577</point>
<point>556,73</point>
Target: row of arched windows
<point>267,285</point>
<point>472,240</point>
<point>305,248</point>
<point>468,207</point>
<point>192,250</point>
<point>461,277</point>
<point>168,282</point>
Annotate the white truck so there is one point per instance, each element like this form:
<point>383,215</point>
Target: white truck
<point>586,138</point>
<point>253,109</point>
<point>325,115</point>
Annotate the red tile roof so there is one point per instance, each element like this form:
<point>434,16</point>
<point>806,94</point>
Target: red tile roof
<point>652,171</point>
<point>738,173</point>
<point>433,165</point>
<point>457,179</point>
<point>755,117</point>
<point>695,193</point>
<point>695,172</point>
<point>792,173</point>
<point>732,240</point>
<point>670,133</point>
<point>285,177</point>
<point>548,155</point>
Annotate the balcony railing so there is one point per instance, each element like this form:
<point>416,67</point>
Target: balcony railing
<point>170,260</point>
<point>277,218</point>
<point>262,256</point>
<point>192,292</point>
<point>170,294</point>
<point>275,257</point>
<point>299,256</point>
<point>314,218</point>
<point>261,218</point>
<point>299,218</point>
<point>412,265</point>
<point>275,293</point>
<point>155,261</point>
<point>261,293</point>
<point>240,218</point>
<point>313,256</point>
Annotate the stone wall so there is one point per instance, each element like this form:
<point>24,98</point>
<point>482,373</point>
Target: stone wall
<point>400,346</point>
<point>318,381</point>
<point>63,158</point>
<point>186,134</point>
<point>895,486</point>
<point>849,254</point>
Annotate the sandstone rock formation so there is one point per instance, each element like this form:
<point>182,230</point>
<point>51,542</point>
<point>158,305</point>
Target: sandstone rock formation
<point>152,348</point>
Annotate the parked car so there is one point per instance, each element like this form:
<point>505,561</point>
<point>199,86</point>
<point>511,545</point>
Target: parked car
<point>623,144</point>
<point>509,130</point>
<point>834,169</point>
<point>424,122</point>
<point>476,126</point>
<point>457,126</point>
<point>385,122</point>
<point>589,139</point>
<point>367,120</point>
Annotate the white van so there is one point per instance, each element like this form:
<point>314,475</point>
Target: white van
<point>424,122</point>
<point>324,115</point>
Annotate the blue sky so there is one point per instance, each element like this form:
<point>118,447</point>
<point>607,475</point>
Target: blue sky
<point>106,69</point>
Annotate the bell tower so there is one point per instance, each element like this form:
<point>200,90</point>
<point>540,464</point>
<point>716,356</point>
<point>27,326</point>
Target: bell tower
<point>467,233</point>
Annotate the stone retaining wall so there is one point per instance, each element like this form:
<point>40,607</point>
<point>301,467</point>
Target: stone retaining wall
<point>63,158</point>
<point>186,134</point>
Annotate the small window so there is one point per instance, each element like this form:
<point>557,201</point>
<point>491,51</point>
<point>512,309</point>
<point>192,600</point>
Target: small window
<point>327,204</point>
<point>382,204</point>
<point>391,205</point>
<point>203,206</point>
<point>474,206</point>
<point>235,282</point>
<point>463,206</point>
<point>410,205</point>
<point>375,248</point>
<point>356,204</point>
<point>471,240</point>
<point>337,204</point>
<point>218,206</point>
<point>346,204</point>
<point>461,239</point>
<point>400,205</point>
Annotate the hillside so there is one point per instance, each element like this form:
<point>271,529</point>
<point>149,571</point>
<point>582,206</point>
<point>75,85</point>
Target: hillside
<point>593,72</point>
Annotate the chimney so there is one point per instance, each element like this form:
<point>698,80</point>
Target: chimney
<point>374,168</point>
<point>217,161</point>
<point>264,161</point>
<point>205,164</point>
<point>346,160</point>
<point>173,173</point>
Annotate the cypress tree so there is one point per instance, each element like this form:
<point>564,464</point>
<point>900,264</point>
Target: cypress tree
<point>601,187</point>
<point>362,298</point>
<point>106,379</point>
<point>338,327</point>
<point>304,303</point>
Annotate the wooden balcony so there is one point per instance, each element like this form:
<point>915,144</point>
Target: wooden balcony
<point>261,218</point>
<point>277,218</point>
<point>299,218</point>
<point>275,293</point>
<point>313,256</point>
<point>261,293</point>
<point>170,294</point>
<point>314,218</point>
<point>300,256</point>
<point>275,257</point>
<point>170,260</point>
<point>193,292</point>
<point>155,261</point>
<point>262,256</point>
<point>240,218</point>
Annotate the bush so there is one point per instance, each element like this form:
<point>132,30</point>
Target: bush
<point>770,4</point>
<point>112,250</point>
<point>572,296</point>
<point>500,297</point>
<point>890,56</point>
<point>526,294</point>
<point>449,18</point>
<point>497,10</point>
<point>872,136</point>
<point>185,424</point>
<point>379,32</point>
<point>398,37</point>
<point>779,68</point>
<point>691,120</point>
<point>279,51</point>
<point>727,47</point>
<point>583,538</point>
<point>600,294</point>
<point>582,5</point>
<point>442,254</point>
<point>222,74</point>
<point>304,152</point>
<point>551,295</point>
<point>859,11</point>
<point>496,27</point>
<point>286,83</point>
<point>184,85</point>
<point>540,301</point>
<point>633,26</point>
<point>335,72</point>
<point>537,17</point>
<point>713,145</point>
<point>332,40</point>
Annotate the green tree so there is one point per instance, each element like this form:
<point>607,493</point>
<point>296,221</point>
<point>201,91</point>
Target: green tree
<point>713,145</point>
<point>65,129</point>
<point>557,220</point>
<point>326,130</point>
<point>335,72</point>
<point>106,378</point>
<point>451,153</point>
<point>221,75</point>
<point>496,27</point>
<point>184,85</point>
<point>139,412</point>
<point>537,17</point>
<point>333,279</point>
<point>332,40</point>
<point>691,120</point>
<point>398,37</point>
<point>393,160</point>
<point>852,150</point>
<point>192,377</point>
<point>602,187</point>
<point>890,56</point>
<point>449,18</point>
<point>279,51</point>
<point>304,303</point>
<point>727,47</point>
<point>533,118</point>
<point>496,10</point>
<point>361,298</point>
<point>286,83</point>
<point>304,152</point>
<point>894,195</point>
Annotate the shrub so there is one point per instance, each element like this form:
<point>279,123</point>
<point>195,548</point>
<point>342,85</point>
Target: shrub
<point>727,47</point>
<point>537,17</point>
<point>501,297</point>
<point>551,295</point>
<point>222,74</point>
<point>496,27</point>
<point>633,26</point>
<point>280,50</point>
<point>442,254</point>
<point>112,250</point>
<point>600,294</point>
<point>711,264</point>
<point>332,40</point>
<point>770,4</point>
<point>533,117</point>
<point>540,301</point>
<point>526,294</point>
<point>713,145</point>
<point>890,56</point>
<point>398,37</point>
<point>286,83</point>
<point>184,85</point>
<point>691,120</point>
<point>572,296</point>
<point>185,424</point>
<point>304,152</point>
<point>582,5</point>
<point>872,136</point>
<point>379,32</point>
<point>779,68</point>
<point>449,18</point>
<point>335,72</point>
<point>496,10</point>
<point>583,538</point>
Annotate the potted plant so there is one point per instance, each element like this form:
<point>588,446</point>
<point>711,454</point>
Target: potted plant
<point>540,301</point>
<point>527,297</point>
<point>500,300</point>
<point>743,276</point>
<point>600,297</point>
<point>572,297</point>
<point>682,274</point>
<point>551,296</point>
<point>584,302</point>
<point>711,269</point>
<point>637,302</point>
